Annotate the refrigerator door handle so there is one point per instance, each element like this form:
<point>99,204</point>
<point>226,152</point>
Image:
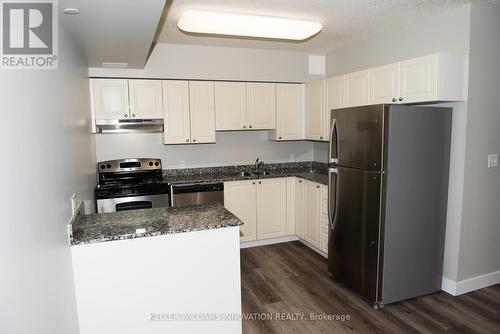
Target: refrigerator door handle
<point>333,128</point>
<point>332,189</point>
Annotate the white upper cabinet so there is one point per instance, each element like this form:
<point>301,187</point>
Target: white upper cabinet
<point>357,88</point>
<point>240,199</point>
<point>261,105</point>
<point>145,99</point>
<point>271,208</point>
<point>230,106</point>
<point>384,84</point>
<point>334,100</point>
<point>437,77</point>
<point>176,112</point>
<point>315,110</point>
<point>110,98</point>
<point>202,111</point>
<point>289,112</point>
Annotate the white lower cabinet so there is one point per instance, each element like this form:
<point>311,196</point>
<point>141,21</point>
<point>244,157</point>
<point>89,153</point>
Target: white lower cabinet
<point>261,205</point>
<point>323,246</point>
<point>239,198</point>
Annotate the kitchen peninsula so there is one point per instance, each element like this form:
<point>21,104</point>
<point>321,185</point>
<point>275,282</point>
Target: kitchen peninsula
<point>158,270</point>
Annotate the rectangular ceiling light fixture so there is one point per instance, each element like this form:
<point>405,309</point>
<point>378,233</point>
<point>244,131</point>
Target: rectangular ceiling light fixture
<point>224,23</point>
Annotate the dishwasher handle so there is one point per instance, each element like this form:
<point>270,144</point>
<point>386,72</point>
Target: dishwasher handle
<point>196,188</point>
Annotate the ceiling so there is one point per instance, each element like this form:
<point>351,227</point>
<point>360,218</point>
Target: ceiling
<point>345,21</point>
<point>114,30</point>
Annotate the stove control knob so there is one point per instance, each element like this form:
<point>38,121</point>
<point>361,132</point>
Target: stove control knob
<point>156,163</point>
<point>102,166</point>
<point>151,163</point>
<point>108,165</point>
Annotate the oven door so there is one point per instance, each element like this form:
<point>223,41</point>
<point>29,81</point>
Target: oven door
<point>132,203</point>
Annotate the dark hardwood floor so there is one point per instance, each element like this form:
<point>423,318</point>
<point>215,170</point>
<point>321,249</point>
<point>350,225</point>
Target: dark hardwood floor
<point>290,279</point>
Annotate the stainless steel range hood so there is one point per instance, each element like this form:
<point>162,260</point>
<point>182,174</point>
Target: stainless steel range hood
<point>128,125</point>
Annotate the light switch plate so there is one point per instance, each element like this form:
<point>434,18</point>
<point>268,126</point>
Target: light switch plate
<point>492,160</point>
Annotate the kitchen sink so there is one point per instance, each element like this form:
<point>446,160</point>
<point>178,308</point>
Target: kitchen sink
<point>254,173</point>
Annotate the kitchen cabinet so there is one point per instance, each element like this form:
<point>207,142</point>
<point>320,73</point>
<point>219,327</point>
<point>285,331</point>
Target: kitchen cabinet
<point>315,110</point>
<point>384,84</point>
<point>325,224</point>
<point>299,208</point>
<point>312,213</point>
<point>436,77</point>
<point>110,98</point>
<point>145,99</point>
<point>176,112</point>
<point>289,112</point>
<point>189,115</point>
<point>334,100</point>
<point>271,208</point>
<point>260,204</point>
<point>202,111</point>
<point>245,106</point>
<point>239,198</point>
<point>127,99</point>
<point>230,106</point>
<point>357,88</point>
<point>261,105</point>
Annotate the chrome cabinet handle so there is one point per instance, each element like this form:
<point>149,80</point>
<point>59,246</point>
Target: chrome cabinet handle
<point>126,115</point>
<point>279,137</point>
<point>317,187</point>
<point>332,128</point>
<point>260,182</point>
<point>400,99</point>
<point>187,140</point>
<point>250,126</point>
<point>133,115</point>
<point>394,99</point>
<point>321,137</point>
<point>194,140</point>
<point>244,126</point>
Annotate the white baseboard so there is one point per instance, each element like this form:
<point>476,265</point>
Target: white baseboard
<point>475,283</point>
<point>271,241</point>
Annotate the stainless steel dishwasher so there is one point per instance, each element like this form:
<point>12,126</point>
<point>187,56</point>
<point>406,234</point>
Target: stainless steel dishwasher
<point>195,194</point>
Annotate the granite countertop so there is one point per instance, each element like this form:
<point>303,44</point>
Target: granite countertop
<point>310,170</point>
<point>123,225</point>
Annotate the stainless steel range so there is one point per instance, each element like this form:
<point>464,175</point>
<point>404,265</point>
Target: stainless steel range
<point>129,184</point>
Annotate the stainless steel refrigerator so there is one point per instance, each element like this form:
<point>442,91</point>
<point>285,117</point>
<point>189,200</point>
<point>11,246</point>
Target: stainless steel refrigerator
<point>388,186</point>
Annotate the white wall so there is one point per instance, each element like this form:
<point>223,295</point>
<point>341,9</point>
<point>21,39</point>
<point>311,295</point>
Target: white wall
<point>170,61</point>
<point>232,148</point>
<point>479,240</point>
<point>447,32</point>
<point>175,61</point>
<point>47,155</point>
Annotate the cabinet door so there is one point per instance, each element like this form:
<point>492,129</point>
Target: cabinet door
<point>312,212</point>
<point>384,84</point>
<point>315,102</point>
<point>230,106</point>
<point>299,208</point>
<point>289,111</point>
<point>110,98</point>
<point>261,105</point>
<point>202,111</point>
<point>271,208</point>
<point>419,79</point>
<point>334,100</point>
<point>239,198</point>
<point>145,99</point>
<point>176,112</point>
<point>356,88</point>
<point>325,225</point>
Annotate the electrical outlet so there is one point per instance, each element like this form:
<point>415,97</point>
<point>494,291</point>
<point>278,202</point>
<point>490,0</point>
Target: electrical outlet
<point>182,164</point>
<point>492,160</point>
<point>74,205</point>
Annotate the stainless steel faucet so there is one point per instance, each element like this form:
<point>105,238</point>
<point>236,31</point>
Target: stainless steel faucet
<point>258,164</point>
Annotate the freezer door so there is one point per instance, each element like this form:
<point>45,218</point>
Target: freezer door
<point>353,249</point>
<point>357,137</point>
